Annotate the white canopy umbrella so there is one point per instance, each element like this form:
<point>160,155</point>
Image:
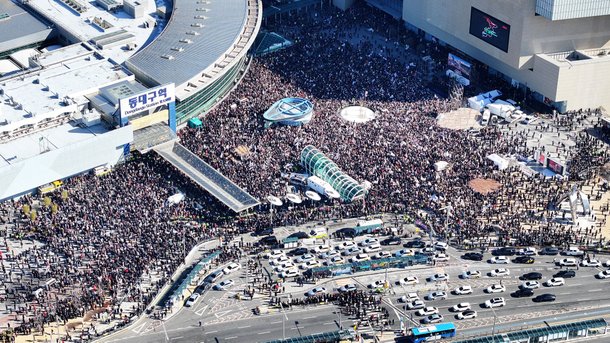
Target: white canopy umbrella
<point>294,198</point>
<point>331,193</point>
<point>313,195</point>
<point>273,200</point>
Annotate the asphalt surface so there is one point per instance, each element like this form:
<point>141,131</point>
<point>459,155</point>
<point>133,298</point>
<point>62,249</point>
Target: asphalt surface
<point>226,319</point>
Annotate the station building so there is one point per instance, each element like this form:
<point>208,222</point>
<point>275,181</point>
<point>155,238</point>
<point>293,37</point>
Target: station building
<point>559,50</point>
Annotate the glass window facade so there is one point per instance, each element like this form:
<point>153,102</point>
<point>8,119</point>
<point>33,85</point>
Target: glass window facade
<point>572,9</point>
<point>316,163</point>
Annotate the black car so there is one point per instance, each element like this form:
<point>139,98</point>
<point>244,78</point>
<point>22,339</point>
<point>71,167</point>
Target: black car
<point>299,235</point>
<point>523,292</point>
<point>414,244</point>
<point>524,259</point>
<point>474,256</point>
<point>531,276</point>
<point>394,240</point>
<point>506,251</point>
<point>549,251</point>
<point>298,252</point>
<point>346,232</point>
<point>263,232</point>
<point>544,298</point>
<point>269,240</point>
<point>565,274</point>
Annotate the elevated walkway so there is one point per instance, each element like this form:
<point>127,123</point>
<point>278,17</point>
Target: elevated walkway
<point>205,176</point>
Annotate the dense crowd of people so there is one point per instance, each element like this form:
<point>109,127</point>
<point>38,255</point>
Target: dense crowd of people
<point>105,235</point>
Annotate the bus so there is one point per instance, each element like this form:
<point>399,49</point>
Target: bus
<point>431,333</point>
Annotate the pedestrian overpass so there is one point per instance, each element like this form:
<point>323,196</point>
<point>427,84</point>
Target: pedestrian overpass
<point>205,176</point>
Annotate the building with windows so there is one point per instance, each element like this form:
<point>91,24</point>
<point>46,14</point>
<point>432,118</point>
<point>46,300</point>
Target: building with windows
<point>556,50</point>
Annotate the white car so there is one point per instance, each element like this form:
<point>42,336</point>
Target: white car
<point>315,291</point>
<point>373,248</point>
<point>591,263</point>
<point>461,307</point>
<point>500,272</point>
<point>360,258</point>
<point>499,260</point>
<point>607,263</point>
<point>529,251</point>
<point>439,277</point>
<point>404,252</point>
<point>495,288</point>
<point>462,290</point>
<point>568,262</point>
<point>292,272</point>
<point>495,302</point>
<point>382,254</point>
<point>223,285</point>
<point>274,254</point>
<point>350,287</point>
<point>309,264</point>
<point>528,119</point>
<point>304,258</point>
<point>377,284</point>
<point>191,301</point>
<point>345,245</point>
<point>409,280</point>
<point>468,314</point>
<point>471,274</point>
<point>433,318</point>
<point>279,260</point>
<point>436,295</point>
<point>329,254</point>
<point>321,248</point>
<point>554,282</point>
<point>426,311</point>
<point>231,268</point>
<point>284,266</point>
<point>530,285</point>
<point>415,305</point>
<point>369,241</point>
<point>604,274</point>
<point>573,251</point>
<point>427,251</point>
<point>441,246</point>
<point>334,260</point>
<point>409,297</point>
<point>351,251</point>
<point>441,258</point>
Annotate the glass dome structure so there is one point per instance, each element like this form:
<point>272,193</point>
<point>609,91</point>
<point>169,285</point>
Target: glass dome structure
<point>316,163</point>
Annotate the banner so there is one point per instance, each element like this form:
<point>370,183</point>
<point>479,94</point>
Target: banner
<point>148,99</point>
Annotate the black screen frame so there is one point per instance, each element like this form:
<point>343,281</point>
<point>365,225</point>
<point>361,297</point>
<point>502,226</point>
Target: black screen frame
<point>478,22</point>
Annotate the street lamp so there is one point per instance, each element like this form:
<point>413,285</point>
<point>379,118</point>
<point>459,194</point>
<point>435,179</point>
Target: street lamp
<point>493,328</point>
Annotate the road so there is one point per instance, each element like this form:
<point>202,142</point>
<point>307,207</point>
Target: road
<point>227,319</point>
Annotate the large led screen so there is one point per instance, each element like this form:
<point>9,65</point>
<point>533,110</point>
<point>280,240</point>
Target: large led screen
<point>489,29</point>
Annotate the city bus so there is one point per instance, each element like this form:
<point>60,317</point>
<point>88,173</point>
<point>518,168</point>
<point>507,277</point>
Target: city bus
<point>431,333</point>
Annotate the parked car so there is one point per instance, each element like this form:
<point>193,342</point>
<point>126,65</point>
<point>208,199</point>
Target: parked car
<point>573,251</point>
<point>415,305</point>
<point>473,256</point>
<point>351,251</point>
<point>441,257</point>
<point>191,300</point>
<point>531,276</point>
<point>409,280</point>
<point>263,232</point>
<point>555,282</point>
<point>350,287</point>
<point>439,277</point>
<point>461,307</point>
<point>604,274</point>
<point>495,288</point>
<point>545,297</point>
<point>375,247</point>
<point>223,285</point>
<point>415,244</point>
<point>299,235</point>
<point>315,291</point>
<point>298,252</point>
<point>360,258</point>
<point>394,240</point>
<point>231,268</point>
<point>524,259</point>
<point>291,272</point>
<point>523,292</point>
<point>468,314</point>
<point>549,251</point>
<point>495,302</point>
<point>433,319</point>
<point>529,251</point>
<point>568,262</point>
<point>462,290</point>
<point>499,260</point>
<point>268,240</point>
<point>529,285</point>
<point>368,241</point>
<point>565,274</point>
<point>436,295</point>
<point>409,297</point>
<point>426,311</point>
<point>404,252</point>
<point>304,258</point>
<point>471,274</point>
<point>382,254</point>
<point>590,263</point>
<point>505,251</point>
<point>500,272</point>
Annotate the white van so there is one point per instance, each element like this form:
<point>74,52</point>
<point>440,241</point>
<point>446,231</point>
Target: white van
<point>485,117</point>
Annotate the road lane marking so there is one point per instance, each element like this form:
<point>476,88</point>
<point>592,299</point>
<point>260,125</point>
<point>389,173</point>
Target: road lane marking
<point>329,323</point>
<point>232,337</point>
<point>310,317</point>
<point>214,331</point>
<point>263,333</point>
<point>244,327</point>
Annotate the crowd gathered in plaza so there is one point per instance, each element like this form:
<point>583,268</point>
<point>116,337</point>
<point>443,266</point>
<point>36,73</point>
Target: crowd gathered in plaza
<point>104,237</point>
